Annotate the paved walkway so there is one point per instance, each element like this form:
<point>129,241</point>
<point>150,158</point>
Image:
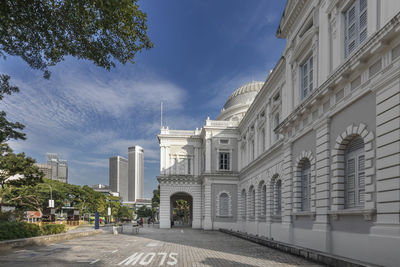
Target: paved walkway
<point>153,247</point>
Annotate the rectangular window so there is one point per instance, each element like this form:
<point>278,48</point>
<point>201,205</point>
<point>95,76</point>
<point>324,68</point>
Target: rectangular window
<point>355,26</point>
<point>306,77</point>
<point>263,140</point>
<point>224,161</point>
<point>252,150</point>
<point>224,141</point>
<point>189,161</point>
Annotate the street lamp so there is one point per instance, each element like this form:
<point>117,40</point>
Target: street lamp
<point>51,201</point>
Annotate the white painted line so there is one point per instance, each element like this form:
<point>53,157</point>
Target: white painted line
<point>93,262</point>
<point>126,245</point>
<point>153,244</point>
<point>83,261</point>
<point>114,251</point>
<point>18,251</point>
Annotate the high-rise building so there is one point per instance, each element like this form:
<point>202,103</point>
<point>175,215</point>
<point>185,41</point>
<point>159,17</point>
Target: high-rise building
<point>55,168</point>
<point>135,172</point>
<point>45,168</point>
<point>62,171</point>
<point>118,176</point>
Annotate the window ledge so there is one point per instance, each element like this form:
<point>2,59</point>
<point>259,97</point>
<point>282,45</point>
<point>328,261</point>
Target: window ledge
<point>276,218</point>
<point>306,213</point>
<point>367,213</point>
<point>262,218</point>
<point>224,216</point>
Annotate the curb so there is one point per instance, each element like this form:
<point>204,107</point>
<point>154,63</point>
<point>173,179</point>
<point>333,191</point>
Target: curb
<point>44,240</point>
<point>309,254</point>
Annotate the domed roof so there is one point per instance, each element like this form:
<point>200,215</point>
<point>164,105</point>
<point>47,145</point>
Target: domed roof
<point>253,86</point>
<point>239,101</point>
<point>244,94</point>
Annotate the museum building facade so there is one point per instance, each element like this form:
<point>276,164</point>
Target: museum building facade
<point>311,156</point>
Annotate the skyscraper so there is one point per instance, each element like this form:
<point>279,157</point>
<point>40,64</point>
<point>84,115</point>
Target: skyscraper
<point>55,168</point>
<point>135,172</point>
<point>118,175</point>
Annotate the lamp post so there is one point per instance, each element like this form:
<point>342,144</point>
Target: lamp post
<point>51,201</point>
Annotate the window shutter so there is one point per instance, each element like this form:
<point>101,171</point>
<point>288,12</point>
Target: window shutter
<point>310,78</point>
<point>361,179</point>
<point>350,183</point>
<point>354,173</point>
<point>355,25</point>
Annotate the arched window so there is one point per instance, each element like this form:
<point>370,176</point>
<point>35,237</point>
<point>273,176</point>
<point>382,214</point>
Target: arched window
<point>305,185</point>
<point>263,199</point>
<point>252,203</point>
<point>224,204</point>
<point>277,198</point>
<point>244,204</point>
<point>354,173</point>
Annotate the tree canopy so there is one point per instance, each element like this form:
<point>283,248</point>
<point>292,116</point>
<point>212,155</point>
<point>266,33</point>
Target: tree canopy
<point>43,32</point>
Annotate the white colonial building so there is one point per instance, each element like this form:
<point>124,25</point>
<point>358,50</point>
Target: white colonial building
<point>311,156</point>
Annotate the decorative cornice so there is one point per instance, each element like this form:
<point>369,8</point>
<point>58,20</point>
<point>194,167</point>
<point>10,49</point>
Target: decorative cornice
<point>179,179</point>
<point>341,73</point>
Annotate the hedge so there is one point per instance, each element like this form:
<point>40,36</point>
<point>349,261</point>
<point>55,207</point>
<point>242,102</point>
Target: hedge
<point>15,230</point>
<point>51,229</point>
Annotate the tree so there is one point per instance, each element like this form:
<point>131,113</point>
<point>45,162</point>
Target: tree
<point>43,32</point>
<point>125,213</point>
<point>155,201</point>
<point>144,212</point>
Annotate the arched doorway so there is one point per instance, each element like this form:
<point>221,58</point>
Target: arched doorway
<point>181,210</point>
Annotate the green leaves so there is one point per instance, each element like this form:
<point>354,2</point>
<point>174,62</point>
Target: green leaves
<point>42,32</point>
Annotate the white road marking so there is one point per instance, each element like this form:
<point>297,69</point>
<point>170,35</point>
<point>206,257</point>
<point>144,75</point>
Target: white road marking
<point>93,262</point>
<point>153,244</point>
<point>114,251</point>
<point>83,261</point>
<point>182,231</point>
<point>18,251</point>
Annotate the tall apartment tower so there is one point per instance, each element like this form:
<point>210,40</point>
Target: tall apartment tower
<point>118,175</point>
<point>63,171</point>
<point>58,168</point>
<point>135,172</point>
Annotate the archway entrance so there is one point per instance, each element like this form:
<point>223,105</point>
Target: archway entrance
<point>181,212</point>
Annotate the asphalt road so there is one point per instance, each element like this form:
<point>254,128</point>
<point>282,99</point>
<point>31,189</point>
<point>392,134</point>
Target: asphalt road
<point>152,247</point>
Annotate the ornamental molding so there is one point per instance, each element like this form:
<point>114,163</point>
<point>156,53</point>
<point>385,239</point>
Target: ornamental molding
<point>354,62</point>
<point>179,180</point>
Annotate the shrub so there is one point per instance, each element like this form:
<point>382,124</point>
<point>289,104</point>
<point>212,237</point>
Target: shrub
<point>51,229</point>
<point>14,230</point>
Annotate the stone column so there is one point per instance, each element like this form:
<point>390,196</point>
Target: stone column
<point>207,206</point>
<point>387,158</point>
<point>286,188</point>
<point>165,206</point>
<point>208,154</point>
<point>162,160</point>
<point>267,127</point>
<point>322,177</point>
<point>256,140</point>
<point>196,157</point>
<point>239,155</point>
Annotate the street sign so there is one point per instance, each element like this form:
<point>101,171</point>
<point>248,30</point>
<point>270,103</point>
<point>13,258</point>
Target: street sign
<point>109,211</point>
<point>51,203</point>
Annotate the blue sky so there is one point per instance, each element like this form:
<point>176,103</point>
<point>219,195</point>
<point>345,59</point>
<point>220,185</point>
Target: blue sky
<point>203,51</point>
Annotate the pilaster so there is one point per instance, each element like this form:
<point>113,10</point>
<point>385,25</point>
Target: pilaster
<point>207,206</point>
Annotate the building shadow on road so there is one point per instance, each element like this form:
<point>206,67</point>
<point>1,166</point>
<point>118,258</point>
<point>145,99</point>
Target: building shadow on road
<point>220,243</point>
<point>221,262</point>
